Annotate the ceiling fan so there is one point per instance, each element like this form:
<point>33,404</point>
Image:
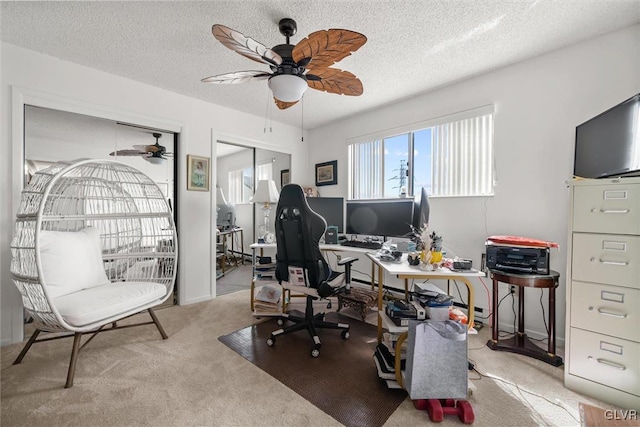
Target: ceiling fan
<point>294,68</point>
<point>154,153</point>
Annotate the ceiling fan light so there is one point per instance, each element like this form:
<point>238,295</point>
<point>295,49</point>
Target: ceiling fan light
<point>287,87</point>
<point>154,160</point>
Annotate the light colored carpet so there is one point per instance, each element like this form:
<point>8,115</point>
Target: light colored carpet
<point>133,377</point>
<point>235,279</point>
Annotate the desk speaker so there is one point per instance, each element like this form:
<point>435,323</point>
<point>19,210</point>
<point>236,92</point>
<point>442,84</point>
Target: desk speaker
<point>331,235</point>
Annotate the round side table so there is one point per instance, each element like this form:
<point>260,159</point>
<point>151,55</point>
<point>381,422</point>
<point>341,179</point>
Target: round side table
<point>520,343</point>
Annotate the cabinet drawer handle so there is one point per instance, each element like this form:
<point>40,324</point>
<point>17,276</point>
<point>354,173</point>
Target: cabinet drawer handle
<point>609,313</point>
<point>610,211</point>
<point>621,263</point>
<point>609,363</point>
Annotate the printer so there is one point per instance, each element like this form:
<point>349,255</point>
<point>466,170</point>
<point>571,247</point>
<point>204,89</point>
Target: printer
<point>518,255</point>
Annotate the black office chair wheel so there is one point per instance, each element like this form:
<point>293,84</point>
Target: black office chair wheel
<point>345,335</point>
<point>315,352</point>
<point>280,321</point>
<point>271,341</point>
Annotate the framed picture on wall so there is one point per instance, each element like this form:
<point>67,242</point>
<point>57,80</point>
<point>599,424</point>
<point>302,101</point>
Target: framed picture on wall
<point>285,177</point>
<point>327,173</point>
<point>198,171</point>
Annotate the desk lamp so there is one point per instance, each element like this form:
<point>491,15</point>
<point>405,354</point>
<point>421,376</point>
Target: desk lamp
<point>266,193</point>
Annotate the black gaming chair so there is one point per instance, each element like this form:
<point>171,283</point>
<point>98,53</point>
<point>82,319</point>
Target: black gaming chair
<point>298,233</point>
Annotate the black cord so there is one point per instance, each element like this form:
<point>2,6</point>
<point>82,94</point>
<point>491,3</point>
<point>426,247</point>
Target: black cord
<point>513,308</point>
<point>494,309</point>
<point>544,316</point>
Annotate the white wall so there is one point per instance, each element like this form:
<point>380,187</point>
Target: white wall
<point>32,76</point>
<point>538,104</point>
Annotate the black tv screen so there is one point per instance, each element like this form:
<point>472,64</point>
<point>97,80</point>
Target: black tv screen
<point>388,218</point>
<point>609,144</point>
<point>330,208</point>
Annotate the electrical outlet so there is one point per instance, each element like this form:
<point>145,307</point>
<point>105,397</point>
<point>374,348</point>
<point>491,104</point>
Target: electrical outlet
<point>512,289</point>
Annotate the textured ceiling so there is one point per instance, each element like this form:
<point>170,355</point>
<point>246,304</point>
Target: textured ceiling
<point>413,46</point>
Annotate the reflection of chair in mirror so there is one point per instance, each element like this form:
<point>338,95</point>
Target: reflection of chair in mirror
<point>300,266</point>
<point>94,243</point>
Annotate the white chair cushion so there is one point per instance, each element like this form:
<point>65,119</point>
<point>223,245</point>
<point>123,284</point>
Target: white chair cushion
<point>102,302</point>
<point>71,261</point>
<point>336,282</point>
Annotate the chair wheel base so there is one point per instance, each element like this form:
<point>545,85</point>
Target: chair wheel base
<point>315,352</point>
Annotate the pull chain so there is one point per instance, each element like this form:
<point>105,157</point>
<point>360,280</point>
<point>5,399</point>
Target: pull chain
<point>266,114</point>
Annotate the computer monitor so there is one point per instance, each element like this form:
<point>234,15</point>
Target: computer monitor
<point>330,208</point>
<point>387,218</point>
<point>226,216</point>
<point>421,210</point>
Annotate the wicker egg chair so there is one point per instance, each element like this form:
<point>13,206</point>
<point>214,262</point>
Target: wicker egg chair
<point>94,243</point>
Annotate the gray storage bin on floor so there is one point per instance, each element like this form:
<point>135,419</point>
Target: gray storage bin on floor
<point>436,360</point>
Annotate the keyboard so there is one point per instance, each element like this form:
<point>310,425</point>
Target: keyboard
<point>361,244</point>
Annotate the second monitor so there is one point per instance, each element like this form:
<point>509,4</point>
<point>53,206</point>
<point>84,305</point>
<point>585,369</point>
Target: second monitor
<point>388,218</point>
<point>330,208</point>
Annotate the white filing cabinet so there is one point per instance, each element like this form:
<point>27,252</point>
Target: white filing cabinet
<point>603,291</point>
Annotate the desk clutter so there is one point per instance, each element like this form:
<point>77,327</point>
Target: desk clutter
<point>267,299</point>
<point>437,307</point>
<point>434,366</point>
<point>427,305</point>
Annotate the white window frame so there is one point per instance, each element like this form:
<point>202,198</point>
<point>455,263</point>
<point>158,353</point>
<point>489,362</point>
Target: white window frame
<point>238,193</point>
<point>462,156</point>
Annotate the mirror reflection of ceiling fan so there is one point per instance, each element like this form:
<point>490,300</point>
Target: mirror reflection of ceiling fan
<point>294,68</point>
<point>154,153</point>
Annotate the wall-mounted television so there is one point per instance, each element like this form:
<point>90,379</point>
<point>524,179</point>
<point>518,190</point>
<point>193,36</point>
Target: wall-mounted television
<point>609,144</point>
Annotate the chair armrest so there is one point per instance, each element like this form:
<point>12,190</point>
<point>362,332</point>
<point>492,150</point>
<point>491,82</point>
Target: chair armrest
<point>347,260</point>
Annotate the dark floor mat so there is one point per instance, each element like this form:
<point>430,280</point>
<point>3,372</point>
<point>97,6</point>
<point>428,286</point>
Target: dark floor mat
<point>342,381</point>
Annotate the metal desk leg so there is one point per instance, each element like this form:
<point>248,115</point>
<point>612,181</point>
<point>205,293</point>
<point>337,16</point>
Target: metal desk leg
<point>380,296</point>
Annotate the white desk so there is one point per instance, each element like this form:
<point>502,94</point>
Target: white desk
<point>402,270</point>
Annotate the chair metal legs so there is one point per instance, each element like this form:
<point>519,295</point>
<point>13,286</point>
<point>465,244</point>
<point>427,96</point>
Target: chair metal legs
<point>77,339</point>
<point>27,346</point>
<point>158,325</point>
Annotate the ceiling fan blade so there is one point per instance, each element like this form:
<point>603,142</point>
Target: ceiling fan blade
<point>326,47</point>
<point>127,153</point>
<point>141,148</point>
<point>237,77</point>
<point>336,81</point>
<point>245,46</point>
<point>282,105</point>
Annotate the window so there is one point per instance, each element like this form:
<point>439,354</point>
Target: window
<point>450,156</point>
<point>264,171</point>
<point>240,185</point>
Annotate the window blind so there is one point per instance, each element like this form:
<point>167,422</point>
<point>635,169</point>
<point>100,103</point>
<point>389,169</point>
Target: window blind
<point>461,156</point>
